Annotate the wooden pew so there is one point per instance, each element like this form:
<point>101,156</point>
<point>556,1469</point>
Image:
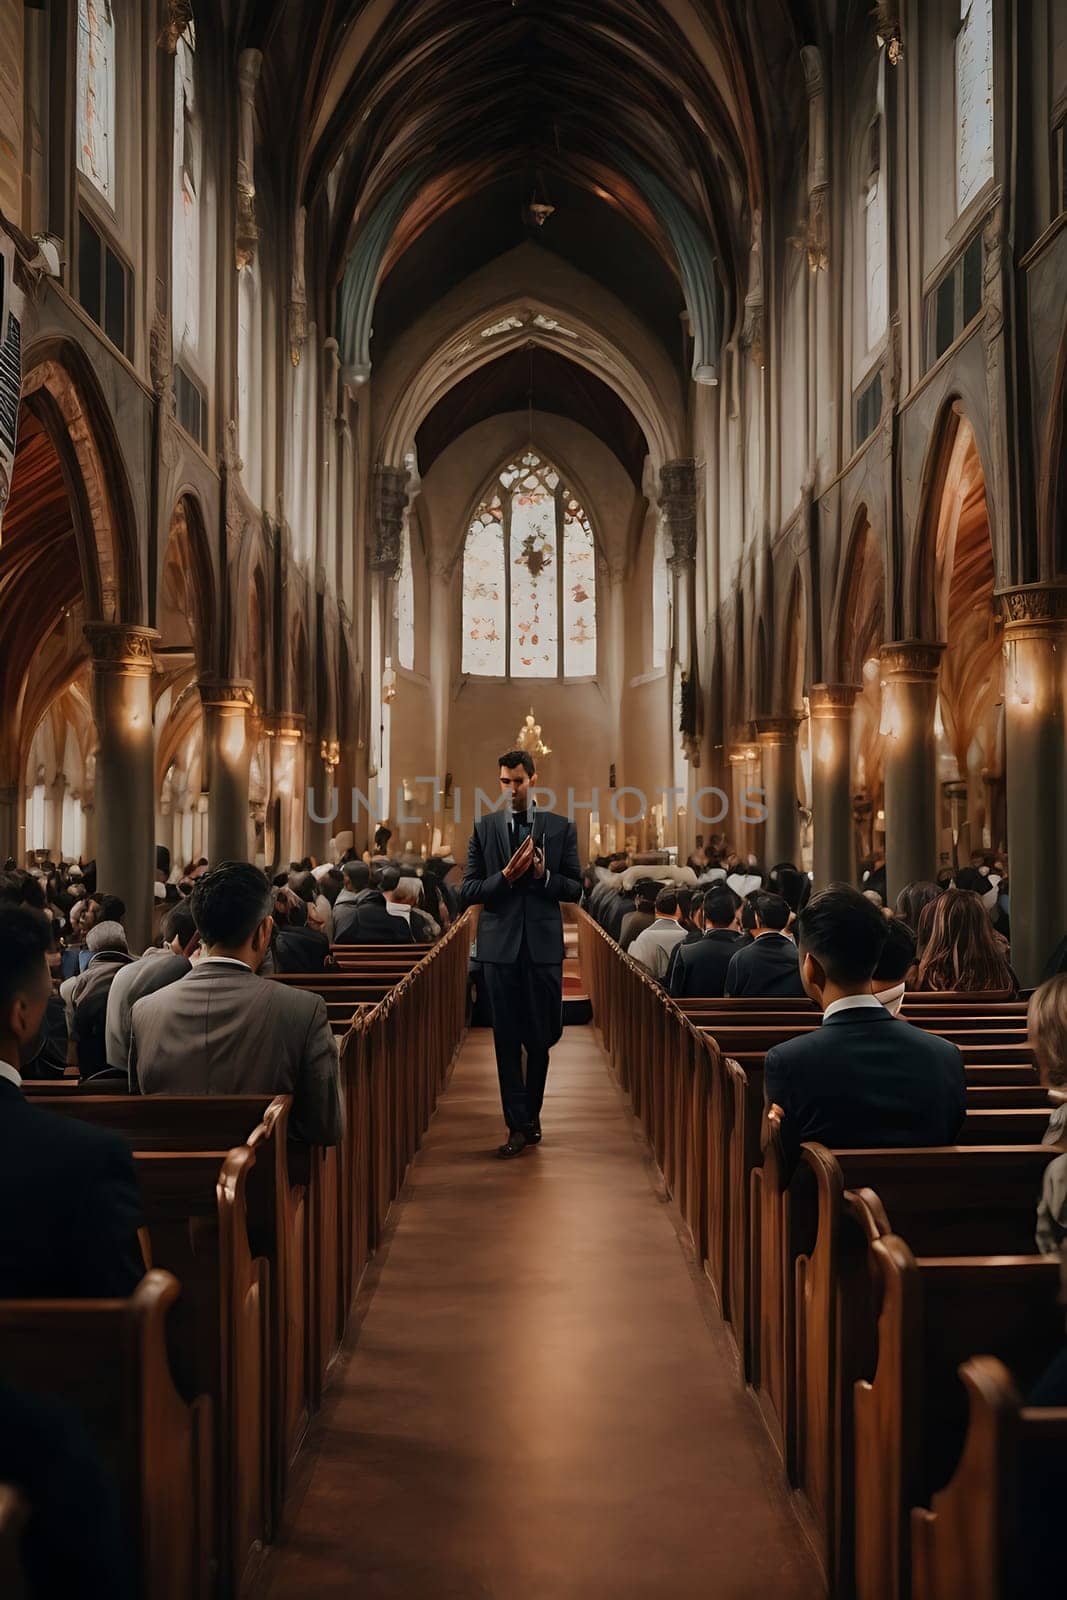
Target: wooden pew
<point>197,1208</point>
<point>282,1233</point>
<point>967,1542</point>
<point>957,1201</point>
<point>13,1511</point>
<point>108,1359</point>
<point>910,1419</point>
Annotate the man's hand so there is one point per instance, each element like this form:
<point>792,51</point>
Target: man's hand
<point>521,861</point>
<point>539,863</point>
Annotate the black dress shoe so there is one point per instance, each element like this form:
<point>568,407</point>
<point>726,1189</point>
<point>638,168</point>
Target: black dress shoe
<point>533,1133</point>
<point>517,1142</point>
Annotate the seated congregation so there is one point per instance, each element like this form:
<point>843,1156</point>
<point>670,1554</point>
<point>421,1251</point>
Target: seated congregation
<point>198,1150</point>
<point>862,1124</point>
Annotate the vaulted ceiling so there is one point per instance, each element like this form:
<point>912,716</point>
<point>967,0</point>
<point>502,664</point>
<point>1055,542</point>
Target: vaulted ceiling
<point>421,128</point>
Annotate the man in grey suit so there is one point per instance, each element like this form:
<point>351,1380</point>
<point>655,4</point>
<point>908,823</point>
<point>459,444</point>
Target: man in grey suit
<point>521,865</point>
<point>222,1029</point>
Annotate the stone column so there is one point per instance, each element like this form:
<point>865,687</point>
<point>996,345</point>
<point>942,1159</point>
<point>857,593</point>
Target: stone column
<point>441,573</point>
<point>831,706</point>
<point>778,750</point>
<point>53,837</point>
<point>287,738</point>
<point>229,705</point>
<point>125,778</point>
<point>743,763</point>
<point>1035,726</point>
<point>909,701</point>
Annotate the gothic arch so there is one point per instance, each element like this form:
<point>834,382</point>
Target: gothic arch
<point>954,434</point>
<point>187,579</point>
<point>61,390</point>
<point>861,620</point>
<point>552,458</point>
<point>577,320</point>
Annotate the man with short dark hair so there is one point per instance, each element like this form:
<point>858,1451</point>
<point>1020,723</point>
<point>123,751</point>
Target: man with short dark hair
<point>356,883</point>
<point>222,1029</point>
<point>652,949</point>
<point>698,971</point>
<point>769,965</point>
<point>864,1078</point>
<point>643,914</point>
<point>69,1204</point>
<point>159,966</point>
<point>371,921</point>
<point>522,863</point>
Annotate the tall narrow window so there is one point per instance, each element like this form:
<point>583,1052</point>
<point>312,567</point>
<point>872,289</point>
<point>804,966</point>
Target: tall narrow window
<point>874,231</point>
<point>405,607</point>
<point>529,579</point>
<point>185,229</point>
<point>974,100</point>
<point>96,94</point>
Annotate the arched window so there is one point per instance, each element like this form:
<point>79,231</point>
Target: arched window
<point>974,100</point>
<point>529,579</point>
<point>96,95</point>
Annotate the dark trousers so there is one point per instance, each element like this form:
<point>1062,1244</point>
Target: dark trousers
<point>526,1001</point>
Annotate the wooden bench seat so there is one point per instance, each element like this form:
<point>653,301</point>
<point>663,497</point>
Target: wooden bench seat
<point>958,1201</point>
<point>911,1418</point>
<point>966,1542</point>
<point>108,1360</point>
<point>282,1230</point>
<point>13,1513</point>
<point>198,1208</point>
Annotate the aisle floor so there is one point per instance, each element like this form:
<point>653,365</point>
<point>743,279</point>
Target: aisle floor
<point>537,1400</point>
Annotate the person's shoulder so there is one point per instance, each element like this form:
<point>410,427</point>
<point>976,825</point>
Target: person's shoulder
<point>71,1141</point>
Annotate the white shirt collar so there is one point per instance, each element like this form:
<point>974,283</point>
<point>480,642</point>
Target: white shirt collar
<point>12,1074</point>
<point>852,1002</point>
<point>398,910</point>
<point>223,961</point>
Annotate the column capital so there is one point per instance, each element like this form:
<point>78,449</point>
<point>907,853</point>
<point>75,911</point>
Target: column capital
<point>911,660</point>
<point>390,506</point>
<point>778,729</point>
<point>236,694</point>
<point>1039,606</point>
<point>742,746</point>
<point>832,699</point>
<point>288,726</point>
<point>121,647</point>
<point>330,753</point>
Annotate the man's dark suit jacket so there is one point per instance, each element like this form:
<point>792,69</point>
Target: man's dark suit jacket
<point>69,1206</point>
<point>526,912</point>
<point>373,924</point>
<point>769,965</point>
<point>698,970</point>
<point>866,1079</point>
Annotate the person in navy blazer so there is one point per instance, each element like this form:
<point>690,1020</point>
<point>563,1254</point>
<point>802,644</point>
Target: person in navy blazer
<point>522,863</point>
<point>865,1078</point>
<point>69,1202</point>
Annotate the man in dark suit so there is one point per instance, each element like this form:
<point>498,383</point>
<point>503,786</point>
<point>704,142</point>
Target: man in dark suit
<point>69,1204</point>
<point>521,865</point>
<point>698,970</point>
<point>865,1078</point>
<point>769,965</point>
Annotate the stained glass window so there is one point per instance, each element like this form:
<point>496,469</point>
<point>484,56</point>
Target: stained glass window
<point>529,579</point>
<point>96,94</point>
<point>485,593</point>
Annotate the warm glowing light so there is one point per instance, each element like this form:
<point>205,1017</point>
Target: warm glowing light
<point>824,749</point>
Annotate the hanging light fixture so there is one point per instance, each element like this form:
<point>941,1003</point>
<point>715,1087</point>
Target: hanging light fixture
<point>539,208</point>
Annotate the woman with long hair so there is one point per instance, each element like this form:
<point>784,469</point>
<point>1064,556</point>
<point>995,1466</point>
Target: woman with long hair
<point>912,900</point>
<point>1046,1030</point>
<point>959,949</point>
